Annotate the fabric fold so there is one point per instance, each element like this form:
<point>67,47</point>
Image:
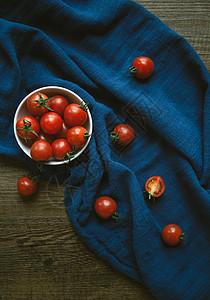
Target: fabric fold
<point>87,47</point>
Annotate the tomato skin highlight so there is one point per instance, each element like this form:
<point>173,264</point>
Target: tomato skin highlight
<point>61,134</point>
<point>171,234</point>
<point>76,136</point>
<point>60,147</point>
<point>74,115</point>
<point>26,187</point>
<point>51,123</point>
<point>123,134</point>
<point>155,186</point>
<point>105,207</point>
<point>45,137</point>
<point>34,126</point>
<point>41,151</point>
<point>59,104</point>
<point>33,107</point>
<point>143,67</point>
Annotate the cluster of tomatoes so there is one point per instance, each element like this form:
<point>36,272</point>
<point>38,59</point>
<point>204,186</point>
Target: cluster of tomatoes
<point>106,207</point>
<point>56,131</point>
<point>55,127</point>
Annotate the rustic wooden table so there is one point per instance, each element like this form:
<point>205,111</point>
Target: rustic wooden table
<point>41,256</point>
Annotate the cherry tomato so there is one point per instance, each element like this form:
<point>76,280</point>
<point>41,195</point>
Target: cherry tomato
<point>75,114</point>
<point>77,136</point>
<point>26,187</point>
<point>155,186</point>
<point>27,127</point>
<point>60,148</point>
<point>172,234</point>
<point>45,137</point>
<point>106,207</point>
<point>123,134</point>
<point>51,123</point>
<point>58,104</point>
<point>41,151</point>
<point>38,104</point>
<point>61,134</point>
<point>143,67</point>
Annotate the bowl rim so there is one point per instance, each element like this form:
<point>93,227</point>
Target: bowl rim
<point>42,89</point>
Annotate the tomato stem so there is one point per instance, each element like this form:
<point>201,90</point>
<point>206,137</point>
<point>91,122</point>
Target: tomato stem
<point>86,135</point>
<point>68,156</point>
<point>183,237</point>
<point>27,127</point>
<point>151,197</point>
<point>41,167</point>
<point>84,106</point>
<point>114,136</point>
<point>133,70</point>
<point>116,216</point>
<point>34,178</point>
<point>43,102</point>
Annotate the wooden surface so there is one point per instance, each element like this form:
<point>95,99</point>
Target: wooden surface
<point>41,257</point>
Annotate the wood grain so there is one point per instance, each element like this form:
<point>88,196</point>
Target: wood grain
<point>41,256</point>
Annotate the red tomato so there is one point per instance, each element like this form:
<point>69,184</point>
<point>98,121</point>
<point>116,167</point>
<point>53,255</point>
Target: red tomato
<point>27,127</point>
<point>63,132</point>
<point>60,147</point>
<point>38,104</point>
<point>77,136</point>
<point>45,137</point>
<point>41,151</point>
<point>143,67</point>
<point>26,187</point>
<point>51,123</point>
<point>75,114</point>
<point>58,104</point>
<point>106,207</point>
<point>123,134</point>
<point>155,186</point>
<point>172,234</point>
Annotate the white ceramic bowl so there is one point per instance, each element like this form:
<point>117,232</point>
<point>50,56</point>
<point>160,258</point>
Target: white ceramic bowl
<point>51,91</point>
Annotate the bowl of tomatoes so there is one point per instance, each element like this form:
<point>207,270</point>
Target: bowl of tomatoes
<point>53,125</point>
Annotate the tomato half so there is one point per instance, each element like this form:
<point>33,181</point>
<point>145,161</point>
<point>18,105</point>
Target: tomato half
<point>41,151</point>
<point>75,114</point>
<point>38,104</point>
<point>26,187</point>
<point>106,207</point>
<point>77,136</point>
<point>123,134</point>
<point>172,235</point>
<point>27,127</point>
<point>58,104</point>
<point>143,67</point>
<point>155,186</point>
<point>60,148</point>
<point>51,123</point>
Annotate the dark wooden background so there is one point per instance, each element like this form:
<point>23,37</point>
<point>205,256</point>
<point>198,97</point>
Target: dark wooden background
<point>41,257</point>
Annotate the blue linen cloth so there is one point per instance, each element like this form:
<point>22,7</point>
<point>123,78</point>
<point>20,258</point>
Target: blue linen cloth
<point>87,46</point>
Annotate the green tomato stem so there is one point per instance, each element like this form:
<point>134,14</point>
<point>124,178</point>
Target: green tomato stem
<point>84,106</point>
<point>68,156</point>
<point>114,136</point>
<point>133,70</point>
<point>115,216</point>
<point>86,135</point>
<point>27,127</point>
<point>43,102</point>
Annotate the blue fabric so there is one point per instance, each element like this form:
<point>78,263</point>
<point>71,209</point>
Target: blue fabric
<point>87,46</point>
